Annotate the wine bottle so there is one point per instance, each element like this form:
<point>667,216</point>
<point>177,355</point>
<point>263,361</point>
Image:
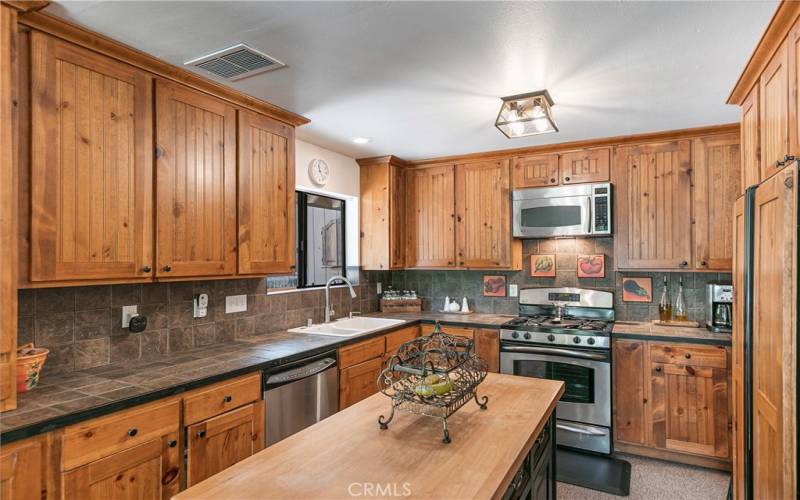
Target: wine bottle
<point>679,311</point>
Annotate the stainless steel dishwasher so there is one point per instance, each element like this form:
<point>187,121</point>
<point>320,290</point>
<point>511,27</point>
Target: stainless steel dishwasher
<point>300,394</point>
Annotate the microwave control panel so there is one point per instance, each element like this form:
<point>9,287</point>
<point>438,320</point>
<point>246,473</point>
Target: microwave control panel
<point>601,209</point>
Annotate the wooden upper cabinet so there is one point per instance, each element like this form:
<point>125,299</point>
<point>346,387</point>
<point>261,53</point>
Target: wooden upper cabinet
<point>793,42</point>
<point>653,206</point>
<point>266,195</point>
<point>588,165</point>
<point>91,165</point>
<point>196,183</point>
<point>382,214</point>
<point>483,214</point>
<point>774,112</point>
<point>750,141</point>
<point>716,162</point>
<point>430,215</point>
<point>535,171</point>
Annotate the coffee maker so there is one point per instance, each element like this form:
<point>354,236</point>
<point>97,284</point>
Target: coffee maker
<point>720,307</point>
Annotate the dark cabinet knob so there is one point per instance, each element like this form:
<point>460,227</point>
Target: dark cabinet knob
<point>201,434</point>
<point>703,263</point>
<point>779,163</point>
<point>644,400</point>
<point>146,269</point>
<point>658,368</point>
<point>683,264</point>
<point>227,399</point>
<point>133,432</point>
<point>167,268</point>
<point>688,355</point>
<point>788,158</point>
<point>552,181</point>
<point>172,443</point>
<point>566,179</point>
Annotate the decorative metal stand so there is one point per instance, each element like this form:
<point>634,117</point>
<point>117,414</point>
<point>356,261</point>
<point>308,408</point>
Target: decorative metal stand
<point>438,353</point>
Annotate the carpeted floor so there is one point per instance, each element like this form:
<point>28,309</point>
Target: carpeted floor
<point>656,480</point>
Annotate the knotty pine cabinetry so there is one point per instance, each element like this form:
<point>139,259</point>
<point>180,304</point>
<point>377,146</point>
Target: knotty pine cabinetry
<point>486,342</point>
<point>459,216</point>
<point>104,167</point>
<point>360,364</point>
<point>570,167</point>
<point>382,211</point>
<point>25,470</point>
<point>672,401</point>
<point>673,203</point>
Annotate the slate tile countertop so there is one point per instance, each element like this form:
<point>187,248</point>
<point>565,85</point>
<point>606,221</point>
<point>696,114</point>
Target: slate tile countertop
<point>61,400</point>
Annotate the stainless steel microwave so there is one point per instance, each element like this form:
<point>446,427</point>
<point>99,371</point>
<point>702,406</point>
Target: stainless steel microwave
<point>576,210</point>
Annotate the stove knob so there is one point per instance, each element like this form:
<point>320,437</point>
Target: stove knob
<point>514,335</point>
<point>576,339</point>
<point>590,340</point>
<point>527,336</point>
<point>551,337</point>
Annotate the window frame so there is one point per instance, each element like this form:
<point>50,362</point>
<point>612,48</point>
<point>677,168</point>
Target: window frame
<point>301,198</point>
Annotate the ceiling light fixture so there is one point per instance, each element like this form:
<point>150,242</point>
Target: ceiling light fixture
<point>362,140</point>
<point>526,114</point>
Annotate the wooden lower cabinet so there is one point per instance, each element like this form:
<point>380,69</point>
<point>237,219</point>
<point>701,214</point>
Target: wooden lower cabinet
<point>150,470</point>
<point>24,470</point>
<point>219,442</point>
<point>487,342</point>
<point>673,399</point>
<point>359,381</point>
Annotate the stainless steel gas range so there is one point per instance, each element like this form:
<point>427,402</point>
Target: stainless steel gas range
<point>564,334</point>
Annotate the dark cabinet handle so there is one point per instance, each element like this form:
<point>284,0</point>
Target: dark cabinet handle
<point>644,400</point>
<point>449,263</point>
<point>146,269</point>
<point>133,432</point>
<point>688,355</point>
<point>201,434</point>
<point>779,163</point>
<point>552,181</point>
<point>172,443</point>
<point>566,179</point>
<point>683,264</point>
<point>227,399</point>
<point>658,368</point>
<point>167,268</point>
<point>703,263</point>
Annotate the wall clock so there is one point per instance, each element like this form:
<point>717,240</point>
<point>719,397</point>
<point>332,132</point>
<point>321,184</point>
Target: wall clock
<point>318,172</point>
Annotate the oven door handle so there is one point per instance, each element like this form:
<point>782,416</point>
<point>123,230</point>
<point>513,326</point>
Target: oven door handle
<point>556,351</point>
<point>578,430</point>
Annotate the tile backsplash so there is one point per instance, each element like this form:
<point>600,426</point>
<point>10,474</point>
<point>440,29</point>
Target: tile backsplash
<point>433,286</point>
<point>82,326</point>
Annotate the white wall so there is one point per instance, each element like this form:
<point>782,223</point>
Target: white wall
<point>343,183</point>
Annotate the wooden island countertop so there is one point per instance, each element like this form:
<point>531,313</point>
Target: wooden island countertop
<point>338,456</point>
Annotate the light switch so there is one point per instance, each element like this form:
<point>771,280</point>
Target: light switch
<point>127,313</point>
<point>235,304</point>
<point>513,290</point>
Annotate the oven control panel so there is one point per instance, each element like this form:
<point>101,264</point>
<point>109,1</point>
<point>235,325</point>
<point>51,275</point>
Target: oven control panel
<point>560,339</point>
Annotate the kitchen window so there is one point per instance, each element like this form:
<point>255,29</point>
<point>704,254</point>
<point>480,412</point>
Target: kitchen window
<point>320,242</point>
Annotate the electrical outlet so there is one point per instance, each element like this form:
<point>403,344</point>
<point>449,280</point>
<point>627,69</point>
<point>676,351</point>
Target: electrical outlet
<point>235,304</point>
<point>513,290</point>
<point>127,313</point>
<point>380,288</point>
<point>200,305</point>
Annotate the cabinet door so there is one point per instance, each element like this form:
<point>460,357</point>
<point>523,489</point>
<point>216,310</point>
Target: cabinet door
<point>793,41</point>
<point>535,171</point>
<point>774,336</point>
<point>630,368</point>
<point>750,140</point>
<point>149,471</point>
<point>217,443</point>
<point>653,206</point>
<point>774,110</point>
<point>359,382</point>
<point>382,207</point>
<point>196,183</point>
<point>588,165</point>
<point>397,244</point>
<point>21,470</point>
<point>483,215</point>
<point>266,195</point>
<point>431,217</point>
<point>737,354</point>
<point>487,347</point>
<point>716,186</point>
<point>91,165</point>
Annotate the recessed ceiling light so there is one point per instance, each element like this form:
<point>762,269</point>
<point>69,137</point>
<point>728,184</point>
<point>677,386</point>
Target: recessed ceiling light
<point>362,140</point>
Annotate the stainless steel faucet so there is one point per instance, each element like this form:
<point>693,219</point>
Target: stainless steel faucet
<point>328,309</point>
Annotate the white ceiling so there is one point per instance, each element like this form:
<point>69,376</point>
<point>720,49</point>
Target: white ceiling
<point>423,79</point>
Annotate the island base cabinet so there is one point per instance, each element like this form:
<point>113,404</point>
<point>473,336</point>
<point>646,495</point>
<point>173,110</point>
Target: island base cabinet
<point>149,471</point>
<point>536,478</point>
<point>217,443</point>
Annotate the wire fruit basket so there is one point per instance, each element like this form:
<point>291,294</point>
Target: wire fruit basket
<point>433,376</point>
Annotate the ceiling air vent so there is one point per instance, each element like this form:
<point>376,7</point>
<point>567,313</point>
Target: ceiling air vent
<point>235,63</point>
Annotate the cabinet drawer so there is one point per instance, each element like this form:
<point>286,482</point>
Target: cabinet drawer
<point>358,353</point>
<point>450,330</point>
<point>211,401</point>
<point>395,339</point>
<point>100,437</point>
<point>683,354</point>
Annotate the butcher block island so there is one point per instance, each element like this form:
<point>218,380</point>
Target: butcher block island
<point>510,444</point>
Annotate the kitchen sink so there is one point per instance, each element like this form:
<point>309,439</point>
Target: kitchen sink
<point>348,327</point>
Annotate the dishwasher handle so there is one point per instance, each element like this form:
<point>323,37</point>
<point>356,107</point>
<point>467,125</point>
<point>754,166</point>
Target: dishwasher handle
<point>299,372</point>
